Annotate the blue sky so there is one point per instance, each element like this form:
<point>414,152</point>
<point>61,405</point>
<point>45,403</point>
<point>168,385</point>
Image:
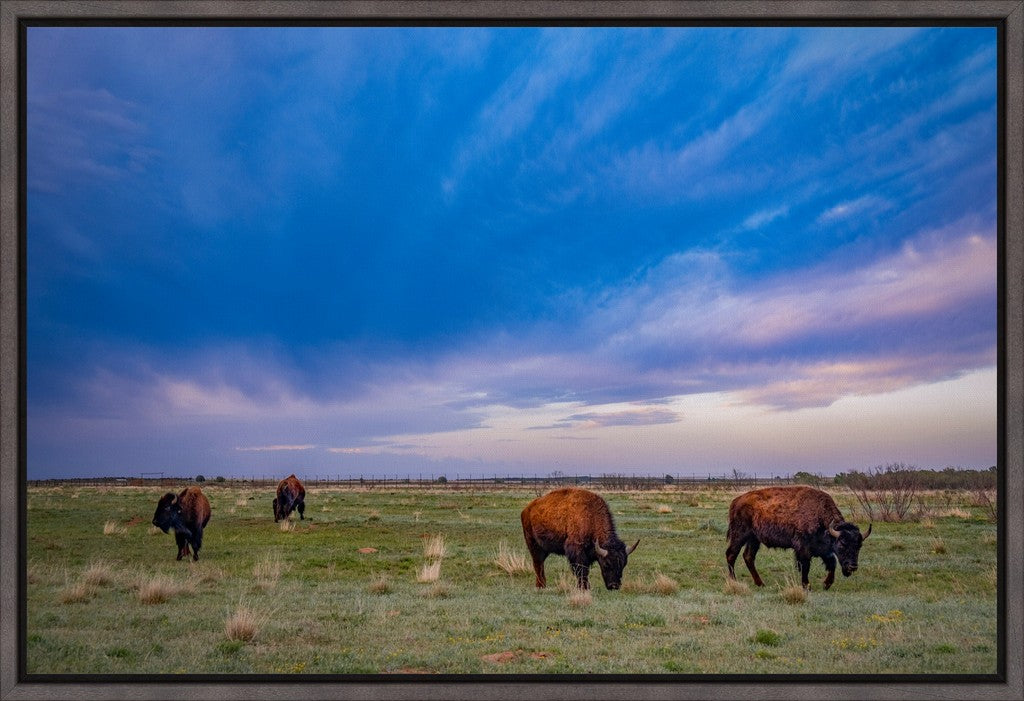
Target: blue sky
<point>510,250</point>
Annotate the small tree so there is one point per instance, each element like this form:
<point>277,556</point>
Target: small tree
<point>442,480</point>
<point>200,478</point>
<point>220,478</point>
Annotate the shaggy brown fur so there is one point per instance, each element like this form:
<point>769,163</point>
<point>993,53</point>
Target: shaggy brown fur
<point>291,495</point>
<point>578,524</point>
<point>187,514</point>
<point>802,518</point>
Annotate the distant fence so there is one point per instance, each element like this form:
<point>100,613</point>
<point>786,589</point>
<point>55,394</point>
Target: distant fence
<point>455,483</point>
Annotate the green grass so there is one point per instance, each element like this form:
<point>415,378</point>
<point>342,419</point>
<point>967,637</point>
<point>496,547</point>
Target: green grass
<point>318,605</point>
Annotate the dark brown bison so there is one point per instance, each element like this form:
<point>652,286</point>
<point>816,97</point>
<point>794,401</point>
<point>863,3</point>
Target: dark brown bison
<point>802,518</point>
<point>578,524</point>
<point>187,513</point>
<point>291,496</point>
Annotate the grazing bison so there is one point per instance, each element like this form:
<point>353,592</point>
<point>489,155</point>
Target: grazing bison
<point>802,518</point>
<point>187,514</point>
<point>578,524</point>
<point>291,495</point>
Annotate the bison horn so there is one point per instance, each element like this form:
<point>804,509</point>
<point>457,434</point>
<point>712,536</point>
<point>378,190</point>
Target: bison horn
<point>832,531</point>
<point>599,550</point>
<point>868,533</point>
<point>629,551</point>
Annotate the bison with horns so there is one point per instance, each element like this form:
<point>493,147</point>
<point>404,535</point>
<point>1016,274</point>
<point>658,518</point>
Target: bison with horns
<point>187,513</point>
<point>291,496</point>
<point>578,524</point>
<point>802,518</point>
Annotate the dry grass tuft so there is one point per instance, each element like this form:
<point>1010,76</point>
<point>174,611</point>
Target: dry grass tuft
<point>511,561</point>
<point>430,572</point>
<point>434,547</point>
<point>438,590</point>
<point>76,593</point>
<point>938,547</point>
<point>380,584</point>
<point>954,513</point>
<point>159,589</point>
<point>664,509</point>
<point>242,502</point>
<point>660,584</point>
<point>242,625</point>
<point>153,530</point>
<point>206,574</point>
<point>578,598</point>
<point>794,592</point>
<point>374,515</point>
<point>927,523</point>
<point>112,528</point>
<point>286,526</point>
<point>97,574</point>
<point>735,587</point>
<point>664,585</point>
<point>267,571</point>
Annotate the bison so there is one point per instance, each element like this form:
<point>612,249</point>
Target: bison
<point>802,518</point>
<point>291,495</point>
<point>187,513</point>
<point>578,524</point>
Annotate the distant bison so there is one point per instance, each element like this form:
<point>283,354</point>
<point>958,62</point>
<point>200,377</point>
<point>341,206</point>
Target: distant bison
<point>187,514</point>
<point>291,496</point>
<point>578,524</point>
<point>802,518</point>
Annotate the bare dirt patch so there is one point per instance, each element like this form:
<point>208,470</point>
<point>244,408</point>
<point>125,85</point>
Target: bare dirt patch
<point>367,551</point>
<point>501,657</point>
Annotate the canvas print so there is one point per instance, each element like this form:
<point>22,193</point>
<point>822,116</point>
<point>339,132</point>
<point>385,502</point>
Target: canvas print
<point>529,350</point>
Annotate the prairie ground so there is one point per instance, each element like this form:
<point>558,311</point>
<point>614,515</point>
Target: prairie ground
<point>418,581</point>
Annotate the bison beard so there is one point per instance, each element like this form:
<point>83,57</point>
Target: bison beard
<point>578,524</point>
<point>187,513</point>
<point>802,518</point>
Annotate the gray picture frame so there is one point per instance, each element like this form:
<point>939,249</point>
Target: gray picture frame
<point>1009,12</point>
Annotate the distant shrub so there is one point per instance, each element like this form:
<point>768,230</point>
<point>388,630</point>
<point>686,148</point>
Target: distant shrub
<point>200,478</point>
<point>220,478</point>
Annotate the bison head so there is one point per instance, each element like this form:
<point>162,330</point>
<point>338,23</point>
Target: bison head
<point>612,561</point>
<point>847,545</point>
<point>168,515</point>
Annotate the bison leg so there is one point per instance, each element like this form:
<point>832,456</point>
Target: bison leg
<point>577,557</point>
<point>182,540</point>
<point>805,567</point>
<point>197,542</point>
<point>731,553</point>
<point>301,506</point>
<point>539,555</point>
<point>749,553</point>
<point>830,565</point>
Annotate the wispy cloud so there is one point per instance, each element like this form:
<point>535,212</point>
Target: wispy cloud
<point>559,57</point>
<point>273,448</point>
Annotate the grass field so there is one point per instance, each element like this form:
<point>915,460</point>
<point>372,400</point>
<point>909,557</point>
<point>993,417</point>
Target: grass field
<point>357,589</point>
